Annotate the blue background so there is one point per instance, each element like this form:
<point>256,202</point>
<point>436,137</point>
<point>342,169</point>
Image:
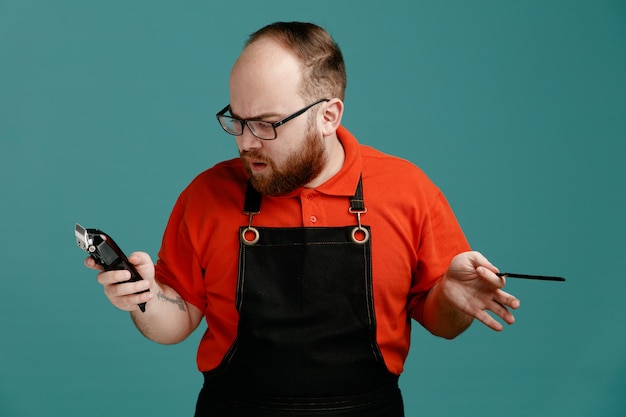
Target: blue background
<point>516,109</point>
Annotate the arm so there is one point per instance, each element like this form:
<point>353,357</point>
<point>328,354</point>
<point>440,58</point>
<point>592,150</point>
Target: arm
<point>168,318</point>
<point>467,290</point>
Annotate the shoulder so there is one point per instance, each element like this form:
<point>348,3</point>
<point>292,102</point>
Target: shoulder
<point>222,176</point>
<point>222,182</point>
<point>389,179</point>
<point>389,173</point>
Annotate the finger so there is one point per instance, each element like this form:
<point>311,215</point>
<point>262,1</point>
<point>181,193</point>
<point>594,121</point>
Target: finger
<point>125,289</point>
<point>139,259</point>
<point>507,299</point>
<point>491,277</point>
<point>131,302</point>
<point>502,312</point>
<point>91,263</point>
<point>143,264</point>
<point>113,277</point>
<point>489,321</point>
<point>136,299</point>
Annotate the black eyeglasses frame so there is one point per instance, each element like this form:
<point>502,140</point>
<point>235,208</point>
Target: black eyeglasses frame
<point>274,125</point>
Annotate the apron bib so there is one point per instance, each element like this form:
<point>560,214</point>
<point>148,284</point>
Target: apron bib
<point>306,340</point>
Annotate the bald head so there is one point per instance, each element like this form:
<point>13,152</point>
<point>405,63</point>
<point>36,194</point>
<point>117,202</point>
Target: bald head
<point>265,76</point>
<point>321,60</point>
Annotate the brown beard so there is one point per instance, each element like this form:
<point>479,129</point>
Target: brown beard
<point>300,168</point>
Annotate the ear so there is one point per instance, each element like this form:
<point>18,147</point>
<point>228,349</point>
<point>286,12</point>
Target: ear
<point>331,116</point>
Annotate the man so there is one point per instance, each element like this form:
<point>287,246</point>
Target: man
<point>308,255</point>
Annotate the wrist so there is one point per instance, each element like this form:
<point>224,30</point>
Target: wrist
<point>442,317</point>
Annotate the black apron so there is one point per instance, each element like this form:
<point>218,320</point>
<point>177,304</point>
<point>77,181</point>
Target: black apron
<point>306,341</point>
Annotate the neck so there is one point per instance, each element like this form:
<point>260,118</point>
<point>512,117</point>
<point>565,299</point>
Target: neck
<point>336,157</point>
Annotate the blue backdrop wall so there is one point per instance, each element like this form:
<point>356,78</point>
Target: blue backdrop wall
<point>516,109</point>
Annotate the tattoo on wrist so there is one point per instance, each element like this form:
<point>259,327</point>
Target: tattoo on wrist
<point>178,301</point>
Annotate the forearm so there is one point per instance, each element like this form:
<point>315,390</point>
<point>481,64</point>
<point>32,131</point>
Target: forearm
<point>168,318</point>
<point>441,318</point>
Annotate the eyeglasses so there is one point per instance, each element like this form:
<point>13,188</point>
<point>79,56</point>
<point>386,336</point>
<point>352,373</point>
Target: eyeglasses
<point>259,128</point>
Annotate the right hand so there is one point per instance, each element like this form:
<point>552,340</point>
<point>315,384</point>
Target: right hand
<point>123,296</point>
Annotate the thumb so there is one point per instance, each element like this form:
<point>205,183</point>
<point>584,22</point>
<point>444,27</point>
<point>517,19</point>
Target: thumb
<point>143,264</point>
<point>480,261</point>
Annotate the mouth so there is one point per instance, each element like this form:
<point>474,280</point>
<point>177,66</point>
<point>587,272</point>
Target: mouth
<point>255,164</point>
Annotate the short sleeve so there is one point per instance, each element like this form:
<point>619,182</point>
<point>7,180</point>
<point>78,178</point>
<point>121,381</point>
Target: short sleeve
<point>441,239</point>
<point>178,265</point>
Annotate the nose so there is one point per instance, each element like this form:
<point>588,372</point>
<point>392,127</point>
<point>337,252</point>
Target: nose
<point>247,141</point>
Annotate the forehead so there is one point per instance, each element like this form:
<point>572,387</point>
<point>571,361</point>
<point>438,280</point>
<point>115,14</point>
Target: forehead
<point>265,78</point>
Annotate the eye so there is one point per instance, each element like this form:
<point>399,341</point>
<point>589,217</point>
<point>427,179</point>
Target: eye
<point>262,127</point>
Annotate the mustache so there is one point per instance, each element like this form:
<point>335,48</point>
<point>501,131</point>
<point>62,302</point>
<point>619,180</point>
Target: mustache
<point>254,154</point>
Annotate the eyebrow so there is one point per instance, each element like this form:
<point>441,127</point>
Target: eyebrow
<point>258,117</point>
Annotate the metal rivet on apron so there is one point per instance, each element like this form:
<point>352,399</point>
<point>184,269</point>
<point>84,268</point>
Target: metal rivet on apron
<point>359,228</point>
<point>250,229</point>
<point>247,241</point>
<point>366,235</point>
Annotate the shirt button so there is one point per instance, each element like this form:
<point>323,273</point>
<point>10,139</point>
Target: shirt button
<point>313,219</point>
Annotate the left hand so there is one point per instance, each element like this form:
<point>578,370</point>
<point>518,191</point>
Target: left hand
<point>472,286</point>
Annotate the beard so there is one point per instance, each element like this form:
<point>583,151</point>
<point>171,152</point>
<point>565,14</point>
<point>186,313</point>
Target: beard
<point>299,169</point>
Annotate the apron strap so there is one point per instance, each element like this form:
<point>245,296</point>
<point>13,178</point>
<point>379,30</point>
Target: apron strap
<point>356,201</point>
<point>360,234</point>
<point>252,204</point>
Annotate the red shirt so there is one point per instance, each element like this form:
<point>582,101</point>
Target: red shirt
<point>413,230</point>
